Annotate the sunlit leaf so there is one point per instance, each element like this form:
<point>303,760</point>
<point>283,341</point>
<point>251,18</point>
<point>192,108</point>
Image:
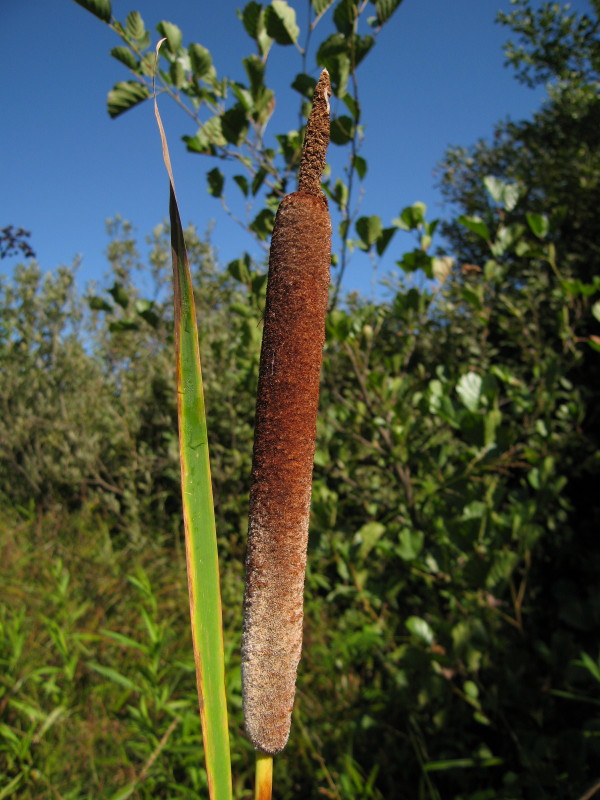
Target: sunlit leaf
<point>126,95</point>
<point>99,8</point>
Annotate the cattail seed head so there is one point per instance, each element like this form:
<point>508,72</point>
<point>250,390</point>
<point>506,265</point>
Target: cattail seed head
<point>284,443</point>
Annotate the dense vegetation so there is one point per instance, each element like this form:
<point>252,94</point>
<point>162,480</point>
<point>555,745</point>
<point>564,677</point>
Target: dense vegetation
<point>452,609</point>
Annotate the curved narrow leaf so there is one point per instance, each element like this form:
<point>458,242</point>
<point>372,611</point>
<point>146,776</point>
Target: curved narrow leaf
<point>198,512</point>
<point>99,8</point>
<point>125,95</point>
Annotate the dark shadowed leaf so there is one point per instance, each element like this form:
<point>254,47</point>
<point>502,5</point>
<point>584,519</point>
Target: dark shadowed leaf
<point>281,23</point>
<point>200,59</point>
<point>215,181</point>
<point>342,130</point>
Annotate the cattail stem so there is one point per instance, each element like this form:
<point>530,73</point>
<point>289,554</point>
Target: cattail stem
<point>284,442</point>
<point>264,776</point>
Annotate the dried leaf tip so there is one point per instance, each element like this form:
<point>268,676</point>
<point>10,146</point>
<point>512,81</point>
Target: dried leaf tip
<point>316,139</point>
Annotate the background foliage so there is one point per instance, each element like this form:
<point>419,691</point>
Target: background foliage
<point>451,645</point>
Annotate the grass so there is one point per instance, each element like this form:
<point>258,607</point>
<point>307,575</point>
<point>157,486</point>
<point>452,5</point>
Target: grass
<point>98,691</point>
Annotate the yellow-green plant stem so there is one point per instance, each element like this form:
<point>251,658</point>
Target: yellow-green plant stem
<point>198,513</point>
<point>264,776</point>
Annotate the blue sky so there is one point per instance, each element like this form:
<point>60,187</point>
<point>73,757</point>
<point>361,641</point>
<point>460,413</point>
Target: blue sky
<point>435,77</point>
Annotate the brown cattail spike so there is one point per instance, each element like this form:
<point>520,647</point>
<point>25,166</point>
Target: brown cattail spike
<point>316,139</point>
<point>284,443</point>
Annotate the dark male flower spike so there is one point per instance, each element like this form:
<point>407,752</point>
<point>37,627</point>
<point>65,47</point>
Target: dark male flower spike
<point>284,442</point>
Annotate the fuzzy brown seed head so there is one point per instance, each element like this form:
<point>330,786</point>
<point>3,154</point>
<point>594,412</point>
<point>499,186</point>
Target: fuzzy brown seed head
<point>316,139</point>
<point>284,442</point>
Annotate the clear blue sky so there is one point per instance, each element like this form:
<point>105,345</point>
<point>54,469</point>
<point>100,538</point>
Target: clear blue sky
<point>435,77</point>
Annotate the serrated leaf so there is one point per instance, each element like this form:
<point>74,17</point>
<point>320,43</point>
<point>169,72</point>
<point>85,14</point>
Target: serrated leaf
<point>200,59</point>
<point>385,9</point>
<point>134,25</point>
<point>538,224</point>
<point>468,389</point>
<point>125,95</point>
<point>475,225</point>
<point>281,23</point>
<point>125,56</point>
<point>216,182</point>
<point>321,6</point>
<point>99,8</point>
<point>172,34</point>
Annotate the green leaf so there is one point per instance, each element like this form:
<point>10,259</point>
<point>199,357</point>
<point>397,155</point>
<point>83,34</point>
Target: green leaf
<point>134,25</point>
<point>242,182</point>
<point>125,56</point>
<point>172,34</point>
<point>369,229</point>
<point>385,9</point>
<point>539,224</point>
<point>345,15</point>
<point>281,23</point>
<point>216,181</point>
<point>506,195</point>
<point>384,239</point>
<point>240,269</point>
<point>98,304</point>
<point>198,513</point>
<point>305,84</point>
<point>200,59</point>
<point>119,294</point>
<point>254,20</point>
<point>420,628</point>
<point>468,389</point>
<point>411,217</point>
<point>368,536</point>
<point>360,165</point>
<point>410,544</point>
<point>99,8</point>
<point>262,225</point>
<point>342,130</point>
<point>596,310</point>
<point>475,225</point>
<point>114,676</point>
<point>321,6</point>
<point>126,95</point>
<point>234,124</point>
<point>416,259</point>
